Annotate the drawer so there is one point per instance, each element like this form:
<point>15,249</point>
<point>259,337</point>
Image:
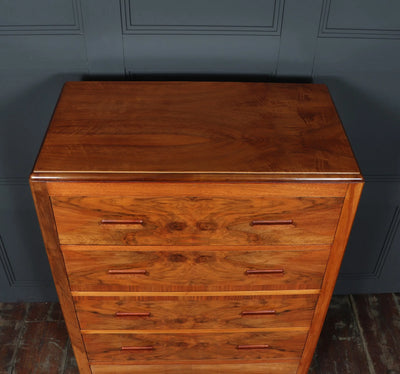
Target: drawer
<point>95,269</point>
<point>274,366</point>
<point>190,312</point>
<point>195,220</point>
<point>109,348</point>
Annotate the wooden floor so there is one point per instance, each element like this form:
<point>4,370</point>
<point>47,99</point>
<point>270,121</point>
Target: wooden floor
<point>361,335</point>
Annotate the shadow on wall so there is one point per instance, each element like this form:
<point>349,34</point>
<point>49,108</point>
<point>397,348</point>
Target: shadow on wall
<point>198,78</point>
<point>371,119</point>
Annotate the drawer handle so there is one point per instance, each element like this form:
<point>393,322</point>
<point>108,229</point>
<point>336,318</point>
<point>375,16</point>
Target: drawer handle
<point>122,222</point>
<point>128,271</point>
<point>129,348</point>
<point>129,314</point>
<point>257,312</point>
<point>272,222</point>
<point>264,271</point>
<point>253,346</point>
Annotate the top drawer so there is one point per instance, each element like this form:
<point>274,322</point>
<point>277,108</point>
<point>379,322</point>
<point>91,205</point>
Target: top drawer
<point>196,220</point>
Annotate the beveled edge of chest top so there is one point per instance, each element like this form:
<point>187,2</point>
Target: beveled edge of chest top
<point>195,132</point>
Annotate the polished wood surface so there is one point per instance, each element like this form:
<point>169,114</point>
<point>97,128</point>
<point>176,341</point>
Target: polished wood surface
<point>195,227</point>
<point>275,367</point>
<point>195,177</point>
<point>191,312</point>
<point>333,266</point>
<point>195,220</point>
<point>49,233</point>
<point>106,348</point>
<point>88,270</point>
<point>195,128</point>
<point>178,190</point>
<point>302,291</point>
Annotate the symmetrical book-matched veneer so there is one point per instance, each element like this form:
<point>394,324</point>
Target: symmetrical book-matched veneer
<point>195,227</point>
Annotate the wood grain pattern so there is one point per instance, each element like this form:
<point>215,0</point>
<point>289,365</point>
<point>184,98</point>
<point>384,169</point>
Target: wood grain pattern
<point>190,312</point>
<point>199,248</point>
<point>193,270</point>
<point>166,158</point>
<point>197,293</point>
<point>42,343</point>
<point>163,127</point>
<point>106,348</point>
<point>332,271</point>
<point>195,220</point>
<point>49,233</point>
<point>379,318</point>
<point>275,367</point>
<point>194,331</point>
<point>244,190</point>
<point>340,342</point>
<point>11,327</point>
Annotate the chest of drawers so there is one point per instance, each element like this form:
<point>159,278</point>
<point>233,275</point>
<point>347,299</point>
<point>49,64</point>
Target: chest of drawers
<point>195,227</point>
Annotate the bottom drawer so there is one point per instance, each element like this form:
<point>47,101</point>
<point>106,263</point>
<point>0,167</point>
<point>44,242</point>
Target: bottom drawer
<point>122,348</point>
<point>280,367</point>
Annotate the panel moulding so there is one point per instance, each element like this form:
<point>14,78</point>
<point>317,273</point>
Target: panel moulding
<point>130,28</point>
<point>5,262</point>
<point>385,249</point>
<point>10,273</point>
<point>48,29</point>
<point>326,31</point>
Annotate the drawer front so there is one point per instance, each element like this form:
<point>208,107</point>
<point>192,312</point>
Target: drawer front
<point>113,270</point>
<point>196,220</point>
<point>109,348</point>
<point>174,312</point>
<point>275,367</point>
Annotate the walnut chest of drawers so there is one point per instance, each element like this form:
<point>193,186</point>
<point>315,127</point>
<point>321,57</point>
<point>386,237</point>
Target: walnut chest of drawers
<point>195,227</point>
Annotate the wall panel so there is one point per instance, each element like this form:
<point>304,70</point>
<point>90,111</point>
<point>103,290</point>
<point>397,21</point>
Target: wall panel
<point>360,19</point>
<point>350,45</point>
<point>202,17</point>
<point>358,56</point>
<point>41,46</point>
<point>40,17</point>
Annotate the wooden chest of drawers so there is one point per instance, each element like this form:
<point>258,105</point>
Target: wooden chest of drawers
<point>195,227</point>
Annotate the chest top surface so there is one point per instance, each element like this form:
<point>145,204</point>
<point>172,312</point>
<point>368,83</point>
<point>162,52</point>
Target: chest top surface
<point>221,131</point>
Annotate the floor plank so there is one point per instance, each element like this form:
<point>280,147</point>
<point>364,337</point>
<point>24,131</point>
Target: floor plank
<point>13,311</point>
<point>340,348</point>
<point>12,317</point>
<point>70,362</point>
<point>42,348</point>
<point>49,312</point>
<point>380,322</point>
<point>9,336</point>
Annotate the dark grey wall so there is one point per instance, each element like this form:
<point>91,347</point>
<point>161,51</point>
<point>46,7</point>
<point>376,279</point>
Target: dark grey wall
<point>351,45</point>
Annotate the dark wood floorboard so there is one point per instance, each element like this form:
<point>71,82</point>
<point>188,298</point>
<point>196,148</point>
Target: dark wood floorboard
<point>70,363</point>
<point>44,312</point>
<point>12,317</point>
<point>380,323</point>
<point>34,340</point>
<point>42,348</point>
<point>361,335</point>
<point>340,348</point>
